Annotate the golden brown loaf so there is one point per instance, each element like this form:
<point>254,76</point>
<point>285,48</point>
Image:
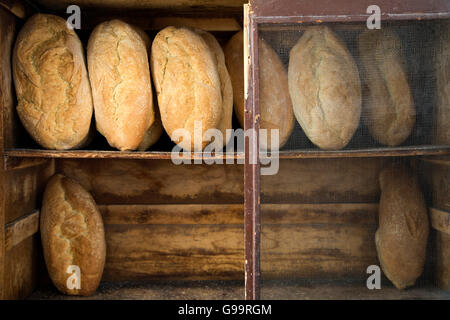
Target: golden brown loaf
<point>72,234</point>
<point>153,133</point>
<point>442,113</point>
<point>121,85</point>
<point>325,88</point>
<point>187,84</point>
<point>401,238</point>
<point>155,130</point>
<point>225,83</point>
<point>52,85</point>
<point>275,103</point>
<point>388,109</point>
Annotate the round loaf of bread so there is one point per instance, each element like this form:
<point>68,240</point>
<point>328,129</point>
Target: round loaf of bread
<point>187,84</point>
<point>388,109</point>
<point>52,85</point>
<point>325,88</point>
<point>121,86</point>
<point>275,103</point>
<point>225,83</point>
<point>401,238</point>
<point>72,236</point>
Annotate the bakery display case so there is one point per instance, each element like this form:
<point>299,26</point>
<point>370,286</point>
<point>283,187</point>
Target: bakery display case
<point>295,222</point>
<point>355,185</point>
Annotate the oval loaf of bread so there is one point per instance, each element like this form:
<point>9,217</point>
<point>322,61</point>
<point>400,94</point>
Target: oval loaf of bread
<point>187,85</point>
<point>275,103</point>
<point>401,238</point>
<point>225,83</point>
<point>388,109</point>
<point>325,88</point>
<point>121,86</point>
<point>52,85</point>
<point>72,236</point>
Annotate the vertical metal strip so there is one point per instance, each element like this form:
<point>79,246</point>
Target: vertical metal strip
<point>252,165</point>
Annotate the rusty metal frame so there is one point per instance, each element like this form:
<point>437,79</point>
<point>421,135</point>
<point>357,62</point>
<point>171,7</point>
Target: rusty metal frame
<point>274,12</point>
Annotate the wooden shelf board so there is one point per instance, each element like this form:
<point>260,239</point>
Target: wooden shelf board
<point>228,290</point>
<point>367,152</point>
<point>297,154</point>
<point>95,154</point>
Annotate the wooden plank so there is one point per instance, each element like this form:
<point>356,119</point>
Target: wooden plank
<point>22,268</point>
<point>440,220</point>
<point>323,180</point>
<point>435,175</point>
<point>176,214</point>
<point>21,229</point>
<point>24,189</point>
<point>20,163</point>
<point>160,181</point>
<point>409,151</point>
<point>7,32</point>
<point>98,154</point>
<point>229,214</point>
<point>206,242</point>
<point>156,182</point>
<point>442,267</point>
<point>174,252</point>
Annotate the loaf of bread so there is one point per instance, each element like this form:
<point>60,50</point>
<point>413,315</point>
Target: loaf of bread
<point>72,236</point>
<point>153,133</point>
<point>442,113</point>
<point>52,85</point>
<point>225,83</point>
<point>188,85</point>
<point>401,238</point>
<point>121,86</point>
<point>325,88</point>
<point>275,104</point>
<point>388,109</point>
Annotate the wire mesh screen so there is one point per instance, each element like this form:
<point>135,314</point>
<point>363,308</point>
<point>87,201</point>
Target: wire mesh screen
<point>414,45</point>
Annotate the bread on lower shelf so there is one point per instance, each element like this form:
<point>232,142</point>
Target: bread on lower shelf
<point>73,237</point>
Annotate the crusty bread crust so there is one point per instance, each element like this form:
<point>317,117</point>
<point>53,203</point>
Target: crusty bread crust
<point>225,83</point>
<point>121,86</point>
<point>325,88</point>
<point>401,238</point>
<point>187,83</point>
<point>52,85</point>
<point>275,103</point>
<point>72,233</point>
<point>388,109</point>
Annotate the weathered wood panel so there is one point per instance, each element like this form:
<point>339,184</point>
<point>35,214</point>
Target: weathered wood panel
<point>158,181</point>
<point>7,31</point>
<point>443,260</point>
<point>323,180</point>
<point>21,229</point>
<point>21,269</point>
<point>24,188</point>
<point>206,241</point>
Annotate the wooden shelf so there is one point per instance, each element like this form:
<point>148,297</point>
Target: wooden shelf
<point>297,154</point>
<point>95,154</point>
<point>367,152</point>
<point>228,290</point>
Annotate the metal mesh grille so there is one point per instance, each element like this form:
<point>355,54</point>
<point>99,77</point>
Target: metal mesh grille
<point>419,41</point>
